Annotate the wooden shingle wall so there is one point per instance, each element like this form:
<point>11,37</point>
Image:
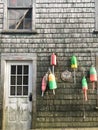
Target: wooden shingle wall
<point>1,26</point>
<point>65,27</point>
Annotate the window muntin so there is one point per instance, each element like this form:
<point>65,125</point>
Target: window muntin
<point>19,80</point>
<point>19,14</point>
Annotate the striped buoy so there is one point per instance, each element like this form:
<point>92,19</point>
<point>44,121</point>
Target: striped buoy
<point>74,66</point>
<point>84,87</point>
<point>52,81</point>
<point>93,76</point>
<point>73,62</point>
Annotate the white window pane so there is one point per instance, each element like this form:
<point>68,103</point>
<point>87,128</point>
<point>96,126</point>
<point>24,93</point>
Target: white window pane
<point>13,69</point>
<point>11,14</point>
<point>25,90</point>
<point>19,80</point>
<point>27,24</point>
<point>13,80</point>
<point>19,69</point>
<point>27,3</point>
<point>12,2</point>
<point>12,90</point>
<point>12,24</point>
<point>20,19</point>
<point>19,90</point>
<point>19,3</point>
<point>26,69</point>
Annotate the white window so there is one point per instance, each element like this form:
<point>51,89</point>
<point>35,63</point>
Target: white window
<point>19,80</point>
<point>19,15</point>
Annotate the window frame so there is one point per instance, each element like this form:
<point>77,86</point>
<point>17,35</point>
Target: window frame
<point>5,25</point>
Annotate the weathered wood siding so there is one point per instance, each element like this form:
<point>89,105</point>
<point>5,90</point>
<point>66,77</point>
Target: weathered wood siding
<point>65,27</point>
<point>1,26</point>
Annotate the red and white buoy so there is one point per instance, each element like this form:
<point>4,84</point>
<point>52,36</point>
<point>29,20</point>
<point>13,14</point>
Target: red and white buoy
<point>53,59</point>
<point>84,87</point>
<point>93,76</point>
<point>44,83</point>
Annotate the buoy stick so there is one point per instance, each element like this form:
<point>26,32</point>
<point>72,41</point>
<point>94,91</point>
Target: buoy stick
<point>54,91</point>
<point>74,76</point>
<point>85,95</point>
<point>42,94</point>
<point>53,69</point>
<point>97,97</point>
<point>93,84</point>
<point>83,107</point>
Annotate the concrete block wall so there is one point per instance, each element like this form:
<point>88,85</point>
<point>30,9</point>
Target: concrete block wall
<point>65,27</point>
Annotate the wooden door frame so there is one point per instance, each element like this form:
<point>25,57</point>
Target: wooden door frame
<point>19,57</point>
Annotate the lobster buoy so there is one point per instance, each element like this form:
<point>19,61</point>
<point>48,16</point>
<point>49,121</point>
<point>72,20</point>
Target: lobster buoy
<point>84,87</point>
<point>52,82</point>
<point>53,59</point>
<point>73,62</point>
<point>74,65</point>
<point>93,76</point>
<point>44,83</point>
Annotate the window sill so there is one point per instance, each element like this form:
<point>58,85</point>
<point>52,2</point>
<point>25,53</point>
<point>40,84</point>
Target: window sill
<point>19,32</point>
